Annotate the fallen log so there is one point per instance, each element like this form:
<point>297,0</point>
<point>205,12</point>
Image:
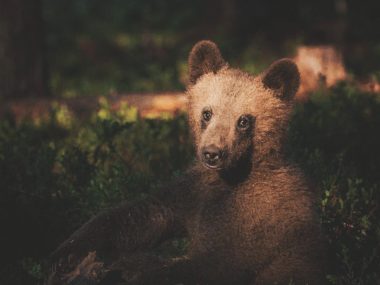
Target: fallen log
<point>148,105</point>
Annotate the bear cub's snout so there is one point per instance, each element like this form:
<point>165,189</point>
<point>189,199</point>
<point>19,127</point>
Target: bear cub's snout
<point>213,157</point>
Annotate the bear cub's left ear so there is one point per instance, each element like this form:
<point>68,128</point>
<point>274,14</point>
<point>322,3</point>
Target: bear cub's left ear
<point>283,78</point>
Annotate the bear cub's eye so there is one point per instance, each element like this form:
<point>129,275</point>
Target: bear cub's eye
<point>206,115</point>
<point>244,122</point>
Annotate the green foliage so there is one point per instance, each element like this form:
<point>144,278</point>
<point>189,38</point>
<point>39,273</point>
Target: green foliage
<point>335,136</point>
<point>56,176</point>
<point>99,47</point>
<point>33,268</point>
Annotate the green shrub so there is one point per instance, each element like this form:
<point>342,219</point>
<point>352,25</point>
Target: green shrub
<point>336,138</point>
<point>55,176</point>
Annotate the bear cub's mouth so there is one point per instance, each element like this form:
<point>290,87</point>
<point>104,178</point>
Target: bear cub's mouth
<point>213,167</point>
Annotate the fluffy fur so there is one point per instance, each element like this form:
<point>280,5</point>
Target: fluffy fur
<point>251,220</point>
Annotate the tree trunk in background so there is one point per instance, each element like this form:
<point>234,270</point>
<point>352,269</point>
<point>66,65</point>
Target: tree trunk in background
<point>22,55</point>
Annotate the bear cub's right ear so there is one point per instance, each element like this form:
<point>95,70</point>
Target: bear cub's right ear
<point>205,57</point>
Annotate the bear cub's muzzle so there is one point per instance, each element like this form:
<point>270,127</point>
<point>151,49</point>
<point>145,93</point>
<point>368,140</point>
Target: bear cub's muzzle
<point>213,157</point>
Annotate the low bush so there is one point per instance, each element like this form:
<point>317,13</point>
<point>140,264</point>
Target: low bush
<point>55,176</point>
<point>335,137</point>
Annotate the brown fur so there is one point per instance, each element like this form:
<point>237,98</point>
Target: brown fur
<point>252,220</point>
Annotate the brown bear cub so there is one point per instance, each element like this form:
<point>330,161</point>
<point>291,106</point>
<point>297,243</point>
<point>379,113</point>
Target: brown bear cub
<point>249,214</point>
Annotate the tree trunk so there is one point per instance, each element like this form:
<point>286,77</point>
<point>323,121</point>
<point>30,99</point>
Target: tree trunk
<point>22,55</point>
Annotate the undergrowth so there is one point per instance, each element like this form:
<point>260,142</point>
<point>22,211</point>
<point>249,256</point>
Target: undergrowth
<point>336,137</point>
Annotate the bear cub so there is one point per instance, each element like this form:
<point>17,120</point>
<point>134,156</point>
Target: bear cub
<point>249,214</point>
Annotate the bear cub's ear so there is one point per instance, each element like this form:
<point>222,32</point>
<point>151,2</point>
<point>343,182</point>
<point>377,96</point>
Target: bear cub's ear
<point>204,57</point>
<point>282,77</point>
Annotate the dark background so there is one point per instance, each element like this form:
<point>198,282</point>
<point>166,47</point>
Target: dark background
<point>86,47</point>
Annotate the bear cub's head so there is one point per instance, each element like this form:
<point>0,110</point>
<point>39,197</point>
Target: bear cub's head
<point>237,118</point>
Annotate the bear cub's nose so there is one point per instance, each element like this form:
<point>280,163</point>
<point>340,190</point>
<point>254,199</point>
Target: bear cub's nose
<point>212,155</point>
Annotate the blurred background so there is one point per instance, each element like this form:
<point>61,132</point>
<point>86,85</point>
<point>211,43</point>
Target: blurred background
<point>92,112</point>
<point>89,47</point>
